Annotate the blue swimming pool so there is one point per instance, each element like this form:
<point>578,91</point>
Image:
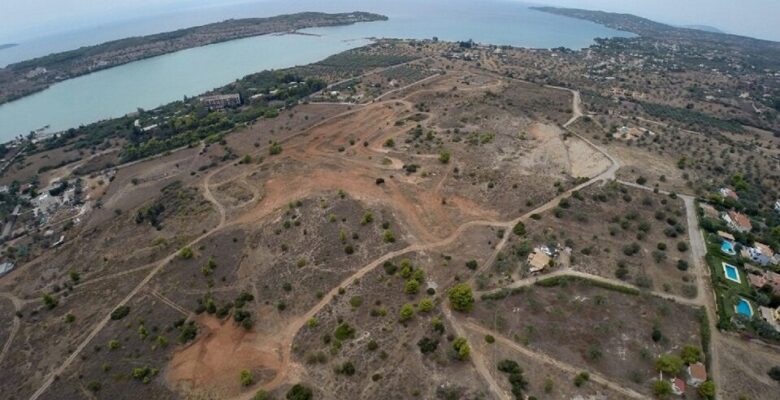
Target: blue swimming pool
<point>744,308</point>
<point>727,247</point>
<point>731,273</point>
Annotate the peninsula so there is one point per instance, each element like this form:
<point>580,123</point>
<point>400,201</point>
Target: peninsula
<point>27,77</point>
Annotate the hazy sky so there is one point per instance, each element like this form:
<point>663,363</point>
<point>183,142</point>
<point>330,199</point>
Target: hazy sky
<point>21,18</point>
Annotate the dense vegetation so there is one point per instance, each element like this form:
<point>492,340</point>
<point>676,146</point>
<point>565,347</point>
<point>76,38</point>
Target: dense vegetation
<point>690,117</point>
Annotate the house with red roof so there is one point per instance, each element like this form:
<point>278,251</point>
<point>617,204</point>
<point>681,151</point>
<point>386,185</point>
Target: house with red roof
<point>697,374</point>
<point>738,221</point>
<point>678,386</point>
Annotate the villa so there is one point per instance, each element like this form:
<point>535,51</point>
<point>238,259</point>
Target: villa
<point>738,221</point>
<point>767,278</point>
<point>697,374</point>
<point>220,101</point>
<point>538,260</point>
<point>709,210</point>
<point>678,386</point>
<point>726,192</point>
<point>727,236</point>
<point>772,316</point>
<point>760,254</point>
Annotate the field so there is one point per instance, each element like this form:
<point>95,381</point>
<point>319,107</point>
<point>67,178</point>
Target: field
<point>621,232</point>
<point>594,329</point>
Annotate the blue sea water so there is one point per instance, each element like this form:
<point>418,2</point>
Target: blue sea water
<point>156,81</point>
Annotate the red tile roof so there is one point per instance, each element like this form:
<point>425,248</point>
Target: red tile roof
<point>741,220</point>
<point>698,371</point>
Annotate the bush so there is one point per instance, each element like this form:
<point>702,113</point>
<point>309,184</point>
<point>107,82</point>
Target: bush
<point>412,286</point>
<point>471,264</point>
<point>707,389</point>
<point>444,157</point>
<point>662,388</point>
<point>581,379</point>
<point>690,354</point>
<point>427,345</point>
<point>669,363</point>
<point>346,368</point>
<point>50,301</point>
<point>509,367</point>
<point>774,373</point>
<point>461,298</point>
<point>120,312</point>
<point>356,301</point>
<point>682,265</point>
<point>186,253</point>
<point>299,392</point>
<point>631,249</point>
<point>275,149</point>
<point>490,339</point>
<point>406,312</point>
<point>519,229</point>
<point>262,395</point>
<point>344,331</point>
<point>682,246</point>
<point>246,377</point>
<point>94,386</point>
<point>462,348</point>
<point>390,268</point>
<point>426,305</point>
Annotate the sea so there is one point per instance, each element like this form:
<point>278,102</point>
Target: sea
<point>159,80</point>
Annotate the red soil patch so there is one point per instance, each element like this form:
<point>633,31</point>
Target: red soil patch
<point>214,361</point>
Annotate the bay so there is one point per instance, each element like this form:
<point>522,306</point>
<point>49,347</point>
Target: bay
<point>152,82</point>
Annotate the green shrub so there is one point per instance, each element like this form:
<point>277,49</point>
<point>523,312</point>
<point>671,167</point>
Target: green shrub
<point>427,345</point>
<point>462,348</point>
<point>186,253</point>
<point>299,392</point>
<point>406,312</point>
<point>120,312</point>
<point>344,331</point>
<point>519,229</point>
<point>581,379</point>
<point>461,298</point>
<point>246,377</point>
<point>426,305</point>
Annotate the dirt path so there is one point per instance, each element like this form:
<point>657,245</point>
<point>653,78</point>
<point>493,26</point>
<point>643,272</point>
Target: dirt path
<point>170,302</point>
<point>15,324</point>
<point>596,377</point>
<point>579,274</point>
<point>481,365</point>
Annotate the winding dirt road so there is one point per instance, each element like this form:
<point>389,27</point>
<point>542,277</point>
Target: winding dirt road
<point>288,334</point>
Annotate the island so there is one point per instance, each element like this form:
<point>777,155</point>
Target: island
<point>7,45</point>
<point>27,77</point>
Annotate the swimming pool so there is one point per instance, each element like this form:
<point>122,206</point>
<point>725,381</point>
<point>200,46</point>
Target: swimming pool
<point>744,308</point>
<point>727,247</point>
<point>731,273</point>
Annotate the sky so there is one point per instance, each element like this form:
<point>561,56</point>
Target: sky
<point>28,18</point>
